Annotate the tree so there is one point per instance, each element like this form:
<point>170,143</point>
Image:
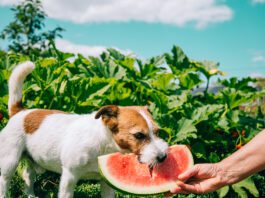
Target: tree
<point>25,34</point>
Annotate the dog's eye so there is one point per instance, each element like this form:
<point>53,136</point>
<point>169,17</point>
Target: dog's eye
<point>139,136</point>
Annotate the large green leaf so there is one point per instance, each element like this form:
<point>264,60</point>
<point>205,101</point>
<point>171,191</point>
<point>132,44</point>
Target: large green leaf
<point>222,192</point>
<point>243,84</point>
<point>189,80</point>
<point>242,187</point>
<point>235,98</point>
<point>116,54</point>
<point>185,129</point>
<point>164,82</point>
<point>176,101</point>
<point>178,61</point>
<point>202,113</point>
<point>208,68</point>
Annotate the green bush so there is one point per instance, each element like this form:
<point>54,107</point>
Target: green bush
<point>213,124</point>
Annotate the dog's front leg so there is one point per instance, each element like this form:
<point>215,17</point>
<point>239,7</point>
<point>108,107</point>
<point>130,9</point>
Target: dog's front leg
<point>67,183</point>
<point>106,190</point>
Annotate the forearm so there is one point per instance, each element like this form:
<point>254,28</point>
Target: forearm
<point>246,161</point>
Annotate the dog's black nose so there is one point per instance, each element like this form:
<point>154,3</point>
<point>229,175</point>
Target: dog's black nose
<point>161,158</point>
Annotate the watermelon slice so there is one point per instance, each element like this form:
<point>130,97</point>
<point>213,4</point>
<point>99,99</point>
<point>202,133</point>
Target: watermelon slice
<point>125,173</point>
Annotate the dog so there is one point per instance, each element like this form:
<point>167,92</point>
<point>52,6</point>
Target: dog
<point>69,144</point>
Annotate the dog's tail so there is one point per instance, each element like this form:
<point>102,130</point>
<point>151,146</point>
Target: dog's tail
<point>15,86</point>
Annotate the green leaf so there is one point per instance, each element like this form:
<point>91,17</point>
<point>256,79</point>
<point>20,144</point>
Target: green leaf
<point>115,71</point>
<point>202,113</point>
<point>222,192</point>
<point>178,61</point>
<point>47,62</point>
<point>242,187</point>
<point>235,98</point>
<point>116,54</point>
<point>233,117</point>
<point>223,124</point>
<point>213,157</point>
<point>185,130</point>
<point>243,84</point>
<point>164,82</point>
<point>176,101</point>
<point>62,87</point>
<point>208,68</point>
<point>66,55</point>
<point>151,67</point>
<point>128,63</point>
<point>189,80</point>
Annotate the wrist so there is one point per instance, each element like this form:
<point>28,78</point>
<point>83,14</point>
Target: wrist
<point>227,172</point>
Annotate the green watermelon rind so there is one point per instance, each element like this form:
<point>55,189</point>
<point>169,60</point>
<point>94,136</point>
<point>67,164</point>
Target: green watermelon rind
<point>161,190</point>
<point>128,192</point>
<point>121,190</point>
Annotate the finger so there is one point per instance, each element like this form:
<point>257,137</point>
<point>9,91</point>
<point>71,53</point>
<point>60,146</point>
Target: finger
<point>178,190</point>
<point>191,188</point>
<point>189,173</point>
<point>175,190</point>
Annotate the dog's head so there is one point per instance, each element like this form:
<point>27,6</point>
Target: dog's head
<point>134,129</point>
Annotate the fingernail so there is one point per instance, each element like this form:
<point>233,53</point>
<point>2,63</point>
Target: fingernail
<point>180,177</point>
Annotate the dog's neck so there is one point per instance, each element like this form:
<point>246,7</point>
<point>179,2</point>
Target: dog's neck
<point>109,146</point>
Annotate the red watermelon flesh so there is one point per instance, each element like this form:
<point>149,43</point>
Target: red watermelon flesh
<point>126,173</point>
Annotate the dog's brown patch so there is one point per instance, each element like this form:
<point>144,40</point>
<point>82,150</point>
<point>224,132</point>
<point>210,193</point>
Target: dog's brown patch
<point>34,119</point>
<point>130,122</point>
<point>15,108</point>
<point>124,122</point>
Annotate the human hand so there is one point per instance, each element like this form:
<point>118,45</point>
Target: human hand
<point>202,178</point>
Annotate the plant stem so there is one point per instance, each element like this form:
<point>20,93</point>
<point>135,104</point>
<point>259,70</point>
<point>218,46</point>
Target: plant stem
<point>207,86</point>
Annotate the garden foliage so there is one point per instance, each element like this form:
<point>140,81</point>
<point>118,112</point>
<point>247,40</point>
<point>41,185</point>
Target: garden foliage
<point>213,124</point>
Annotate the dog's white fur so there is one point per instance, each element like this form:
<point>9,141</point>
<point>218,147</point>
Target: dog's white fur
<point>68,144</point>
<point>156,148</point>
<point>16,82</point>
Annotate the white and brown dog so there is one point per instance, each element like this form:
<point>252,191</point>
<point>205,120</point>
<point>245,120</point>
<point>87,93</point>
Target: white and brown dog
<point>69,144</point>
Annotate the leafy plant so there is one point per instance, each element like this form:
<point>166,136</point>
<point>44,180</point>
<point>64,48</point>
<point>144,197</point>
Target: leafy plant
<point>213,124</point>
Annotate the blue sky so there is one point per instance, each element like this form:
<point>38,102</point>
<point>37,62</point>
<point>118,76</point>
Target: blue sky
<point>231,32</point>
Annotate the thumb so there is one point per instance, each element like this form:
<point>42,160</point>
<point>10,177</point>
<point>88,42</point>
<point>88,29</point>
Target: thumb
<point>189,173</point>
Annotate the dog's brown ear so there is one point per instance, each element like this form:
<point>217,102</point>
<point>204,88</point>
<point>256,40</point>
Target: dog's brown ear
<point>108,111</point>
<point>109,117</point>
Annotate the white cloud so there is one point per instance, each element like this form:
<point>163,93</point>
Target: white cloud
<point>175,12</point>
<point>8,2</point>
<point>259,58</point>
<point>67,46</point>
<point>257,75</point>
<point>258,1</point>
